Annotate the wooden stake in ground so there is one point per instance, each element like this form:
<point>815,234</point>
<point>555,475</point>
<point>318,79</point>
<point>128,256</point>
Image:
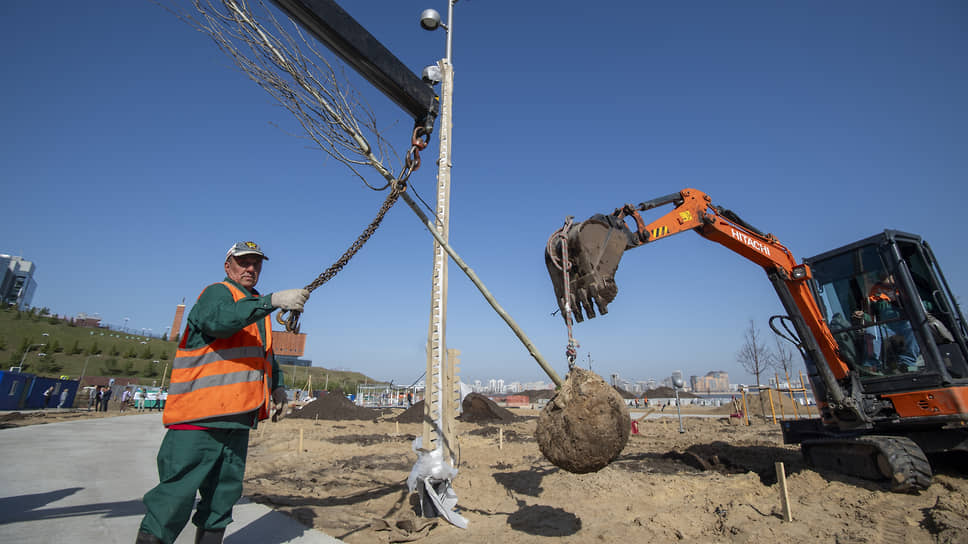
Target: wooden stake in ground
<point>784,496</point>
<point>300,441</point>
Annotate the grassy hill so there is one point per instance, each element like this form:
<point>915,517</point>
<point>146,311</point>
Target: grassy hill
<point>69,350</point>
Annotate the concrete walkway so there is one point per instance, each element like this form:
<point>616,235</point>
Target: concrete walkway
<point>82,481</point>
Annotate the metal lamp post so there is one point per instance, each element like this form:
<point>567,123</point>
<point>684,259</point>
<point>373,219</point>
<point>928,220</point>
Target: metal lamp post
<point>677,383</point>
<point>26,351</point>
<point>438,392</point>
<point>442,395</point>
<point>80,382</point>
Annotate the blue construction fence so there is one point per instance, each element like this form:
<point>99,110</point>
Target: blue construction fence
<point>22,391</point>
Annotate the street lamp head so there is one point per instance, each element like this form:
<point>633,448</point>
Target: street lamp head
<point>677,382</point>
<point>430,19</point>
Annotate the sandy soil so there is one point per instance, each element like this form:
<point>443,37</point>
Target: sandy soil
<point>716,482</point>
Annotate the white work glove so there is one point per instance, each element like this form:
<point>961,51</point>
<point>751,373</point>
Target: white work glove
<point>290,299</point>
<point>279,401</point>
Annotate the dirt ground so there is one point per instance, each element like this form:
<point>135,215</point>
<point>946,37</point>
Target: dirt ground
<point>715,482</point>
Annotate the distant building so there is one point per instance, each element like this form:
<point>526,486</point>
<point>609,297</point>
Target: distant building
<point>715,381</point>
<point>289,347</point>
<point>177,321</point>
<point>17,284</point>
<point>84,320</point>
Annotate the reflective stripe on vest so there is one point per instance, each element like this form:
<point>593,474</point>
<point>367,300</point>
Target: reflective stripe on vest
<point>227,377</point>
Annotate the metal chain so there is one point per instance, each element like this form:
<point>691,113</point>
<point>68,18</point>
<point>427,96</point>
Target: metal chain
<point>411,163</point>
<point>292,321</point>
<point>571,351</point>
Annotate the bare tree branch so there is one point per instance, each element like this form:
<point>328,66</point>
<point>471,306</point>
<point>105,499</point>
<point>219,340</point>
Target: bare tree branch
<point>782,358</point>
<point>280,59</point>
<point>754,356</point>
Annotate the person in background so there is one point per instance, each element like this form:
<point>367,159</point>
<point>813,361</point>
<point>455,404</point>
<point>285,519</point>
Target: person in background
<point>224,380</point>
<point>105,398</point>
<point>160,400</point>
<point>139,399</point>
<point>63,398</point>
<point>125,398</point>
<point>47,395</point>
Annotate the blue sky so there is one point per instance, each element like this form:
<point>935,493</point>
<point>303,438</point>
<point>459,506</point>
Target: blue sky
<point>133,154</point>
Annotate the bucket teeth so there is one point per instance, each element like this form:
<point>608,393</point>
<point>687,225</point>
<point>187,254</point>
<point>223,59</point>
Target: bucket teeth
<point>595,248</point>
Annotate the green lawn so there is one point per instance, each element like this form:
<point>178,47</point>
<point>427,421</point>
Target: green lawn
<point>68,349</point>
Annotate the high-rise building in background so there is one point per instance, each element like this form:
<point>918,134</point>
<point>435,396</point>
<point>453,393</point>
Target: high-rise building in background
<point>17,284</point>
<point>716,381</point>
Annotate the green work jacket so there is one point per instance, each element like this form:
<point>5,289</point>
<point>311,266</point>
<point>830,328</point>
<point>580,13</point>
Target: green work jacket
<point>217,315</point>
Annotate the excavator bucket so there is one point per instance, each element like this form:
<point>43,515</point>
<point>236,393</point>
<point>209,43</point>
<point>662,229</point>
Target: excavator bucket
<point>595,247</point>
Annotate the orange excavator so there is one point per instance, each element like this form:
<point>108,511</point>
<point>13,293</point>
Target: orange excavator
<point>881,335</point>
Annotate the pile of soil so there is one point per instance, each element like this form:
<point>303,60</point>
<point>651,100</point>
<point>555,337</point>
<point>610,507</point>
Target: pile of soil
<point>476,409</point>
<point>334,406</point>
<point>585,426</point>
<point>414,414</point>
<point>668,393</point>
<point>538,394</point>
<point>480,409</point>
<point>625,394</point>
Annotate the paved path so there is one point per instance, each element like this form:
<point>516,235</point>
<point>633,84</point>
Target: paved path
<point>82,481</point>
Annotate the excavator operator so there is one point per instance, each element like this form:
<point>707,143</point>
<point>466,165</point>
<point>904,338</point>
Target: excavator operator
<point>899,347</point>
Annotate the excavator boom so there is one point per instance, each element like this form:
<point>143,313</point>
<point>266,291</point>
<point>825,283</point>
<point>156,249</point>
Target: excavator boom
<point>595,246</point>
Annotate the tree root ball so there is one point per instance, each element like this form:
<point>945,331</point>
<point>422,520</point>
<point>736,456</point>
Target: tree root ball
<point>585,426</point>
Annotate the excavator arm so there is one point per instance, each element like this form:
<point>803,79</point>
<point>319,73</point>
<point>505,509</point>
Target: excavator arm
<point>582,259</point>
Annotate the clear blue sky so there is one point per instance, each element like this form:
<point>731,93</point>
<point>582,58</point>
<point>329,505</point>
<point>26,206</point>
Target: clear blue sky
<point>133,154</point>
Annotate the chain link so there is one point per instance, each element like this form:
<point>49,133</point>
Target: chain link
<point>411,161</point>
<point>561,237</point>
<point>292,321</point>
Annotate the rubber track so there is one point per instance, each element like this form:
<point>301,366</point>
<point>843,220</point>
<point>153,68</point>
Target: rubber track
<point>909,470</point>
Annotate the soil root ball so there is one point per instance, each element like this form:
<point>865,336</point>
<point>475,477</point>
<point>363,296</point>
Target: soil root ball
<point>585,426</point>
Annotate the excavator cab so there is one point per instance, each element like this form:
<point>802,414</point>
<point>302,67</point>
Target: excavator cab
<point>892,313</point>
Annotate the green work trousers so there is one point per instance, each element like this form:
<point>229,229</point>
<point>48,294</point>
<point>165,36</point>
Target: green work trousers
<point>211,462</point>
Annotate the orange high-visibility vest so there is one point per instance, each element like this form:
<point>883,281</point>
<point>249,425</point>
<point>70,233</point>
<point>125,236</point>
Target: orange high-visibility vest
<point>882,292</point>
<point>227,377</point>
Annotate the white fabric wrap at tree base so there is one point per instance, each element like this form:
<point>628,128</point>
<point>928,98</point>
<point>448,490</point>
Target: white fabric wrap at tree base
<point>433,470</point>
